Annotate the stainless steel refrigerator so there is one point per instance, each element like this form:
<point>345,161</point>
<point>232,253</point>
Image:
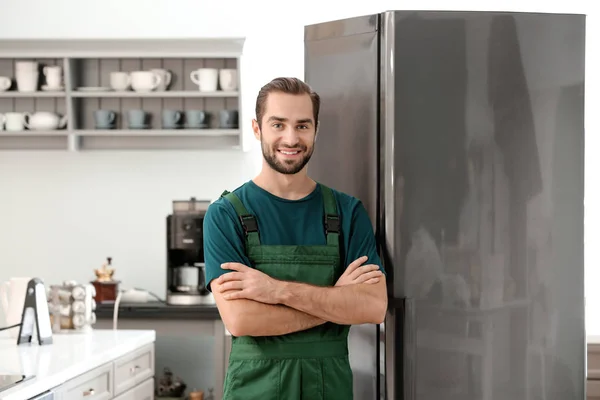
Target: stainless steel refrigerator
<point>463,135</point>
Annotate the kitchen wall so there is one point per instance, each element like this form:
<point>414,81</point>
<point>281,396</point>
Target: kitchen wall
<point>61,214</point>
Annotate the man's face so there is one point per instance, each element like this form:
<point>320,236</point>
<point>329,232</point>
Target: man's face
<point>288,132</point>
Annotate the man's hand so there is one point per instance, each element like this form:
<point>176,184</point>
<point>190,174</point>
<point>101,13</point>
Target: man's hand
<point>358,273</point>
<point>247,283</point>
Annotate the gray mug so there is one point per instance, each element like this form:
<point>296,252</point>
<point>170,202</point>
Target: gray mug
<point>105,119</point>
<point>171,119</point>
<point>138,119</point>
<point>228,119</point>
<point>197,119</point>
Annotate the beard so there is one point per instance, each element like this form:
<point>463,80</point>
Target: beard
<point>287,167</point>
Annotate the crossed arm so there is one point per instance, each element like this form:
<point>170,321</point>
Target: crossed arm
<point>243,317</point>
<point>253,304</point>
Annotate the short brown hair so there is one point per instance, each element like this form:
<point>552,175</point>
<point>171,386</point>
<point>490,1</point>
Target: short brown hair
<point>289,86</point>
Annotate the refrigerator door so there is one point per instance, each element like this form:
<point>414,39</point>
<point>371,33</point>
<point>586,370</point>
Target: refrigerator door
<point>483,138</point>
<point>341,64</point>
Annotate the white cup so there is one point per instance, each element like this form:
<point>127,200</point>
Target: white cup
<point>119,80</point>
<point>27,76</point>
<point>145,81</point>
<point>5,83</point>
<point>53,74</point>
<point>27,81</point>
<point>14,121</point>
<point>206,79</point>
<point>228,79</point>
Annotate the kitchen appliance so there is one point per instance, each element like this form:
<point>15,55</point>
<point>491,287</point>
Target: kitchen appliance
<point>462,133</point>
<point>185,254</point>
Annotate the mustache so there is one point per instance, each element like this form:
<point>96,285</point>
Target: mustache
<point>301,147</point>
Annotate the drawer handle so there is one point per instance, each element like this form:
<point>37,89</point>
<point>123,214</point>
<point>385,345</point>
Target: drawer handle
<point>89,392</point>
<point>132,370</point>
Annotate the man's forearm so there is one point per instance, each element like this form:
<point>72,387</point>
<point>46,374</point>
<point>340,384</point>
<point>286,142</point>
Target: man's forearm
<point>252,318</point>
<point>347,305</point>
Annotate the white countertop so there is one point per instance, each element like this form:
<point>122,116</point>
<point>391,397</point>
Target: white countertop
<point>68,356</point>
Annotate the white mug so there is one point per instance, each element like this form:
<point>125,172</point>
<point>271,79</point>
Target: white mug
<point>228,79</point>
<point>27,76</point>
<point>27,81</point>
<point>5,83</point>
<point>119,80</point>
<point>206,79</point>
<point>14,121</point>
<point>53,74</point>
<point>145,81</point>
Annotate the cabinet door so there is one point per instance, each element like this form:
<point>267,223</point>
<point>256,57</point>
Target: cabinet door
<point>96,384</point>
<point>144,391</point>
<point>134,368</point>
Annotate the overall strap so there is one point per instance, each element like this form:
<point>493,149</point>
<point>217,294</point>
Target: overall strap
<point>249,223</point>
<point>332,219</point>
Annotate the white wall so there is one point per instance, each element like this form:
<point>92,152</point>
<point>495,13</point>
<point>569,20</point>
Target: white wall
<point>62,213</point>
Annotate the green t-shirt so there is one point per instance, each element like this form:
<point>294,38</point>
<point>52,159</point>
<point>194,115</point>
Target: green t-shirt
<point>283,222</point>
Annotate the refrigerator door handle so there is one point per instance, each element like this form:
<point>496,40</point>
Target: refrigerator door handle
<point>387,149</point>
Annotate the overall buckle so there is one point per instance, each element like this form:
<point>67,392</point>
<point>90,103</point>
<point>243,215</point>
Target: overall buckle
<point>332,224</point>
<point>249,223</point>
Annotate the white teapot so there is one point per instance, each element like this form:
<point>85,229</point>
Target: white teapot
<point>44,120</point>
<point>12,298</point>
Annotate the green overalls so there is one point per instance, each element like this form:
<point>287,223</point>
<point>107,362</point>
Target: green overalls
<point>306,365</point>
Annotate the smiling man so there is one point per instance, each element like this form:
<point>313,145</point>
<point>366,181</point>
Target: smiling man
<point>291,263</point>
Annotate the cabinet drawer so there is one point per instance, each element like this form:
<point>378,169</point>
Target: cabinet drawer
<point>95,384</point>
<point>133,369</point>
<point>144,391</point>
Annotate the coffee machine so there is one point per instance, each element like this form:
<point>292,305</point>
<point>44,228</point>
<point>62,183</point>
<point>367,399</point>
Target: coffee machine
<point>185,254</point>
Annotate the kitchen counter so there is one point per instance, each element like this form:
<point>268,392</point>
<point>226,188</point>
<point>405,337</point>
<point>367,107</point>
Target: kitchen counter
<point>194,336</point>
<point>69,356</point>
<point>158,310</point>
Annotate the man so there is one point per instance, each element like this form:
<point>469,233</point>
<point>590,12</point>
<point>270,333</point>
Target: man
<point>291,263</point>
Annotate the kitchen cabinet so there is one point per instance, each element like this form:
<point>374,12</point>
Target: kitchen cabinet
<point>101,364</point>
<point>86,66</point>
<point>133,369</point>
<point>128,377</point>
<point>190,340</point>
